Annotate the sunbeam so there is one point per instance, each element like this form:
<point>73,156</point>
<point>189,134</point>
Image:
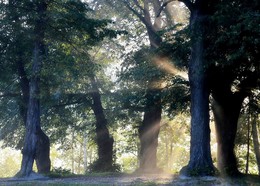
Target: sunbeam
<point>164,64</point>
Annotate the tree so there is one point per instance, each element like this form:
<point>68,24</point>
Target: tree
<point>149,14</point>
<point>149,129</point>
<point>103,138</point>
<point>200,154</point>
<point>226,108</point>
<point>234,75</point>
<point>33,134</point>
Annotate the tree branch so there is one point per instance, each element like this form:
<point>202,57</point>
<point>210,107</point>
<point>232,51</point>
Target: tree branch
<point>135,12</point>
<point>147,15</point>
<point>138,5</point>
<point>163,6</point>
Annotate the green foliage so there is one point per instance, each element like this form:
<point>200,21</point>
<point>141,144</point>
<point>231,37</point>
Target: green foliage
<point>98,166</point>
<point>245,123</point>
<point>176,96</point>
<point>70,33</point>
<point>60,172</point>
<point>233,37</point>
<point>139,69</point>
<point>174,140</point>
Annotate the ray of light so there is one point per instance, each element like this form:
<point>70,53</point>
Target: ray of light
<point>164,64</point>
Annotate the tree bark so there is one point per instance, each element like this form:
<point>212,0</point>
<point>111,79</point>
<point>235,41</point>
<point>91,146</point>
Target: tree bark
<point>43,145</point>
<point>36,141</point>
<point>200,163</point>
<point>25,89</point>
<point>226,108</point>
<point>149,131</point>
<point>32,121</point>
<point>43,148</point>
<point>150,128</point>
<point>104,140</point>
<point>42,157</point>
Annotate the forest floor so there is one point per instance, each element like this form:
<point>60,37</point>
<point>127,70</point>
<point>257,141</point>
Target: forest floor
<point>133,179</point>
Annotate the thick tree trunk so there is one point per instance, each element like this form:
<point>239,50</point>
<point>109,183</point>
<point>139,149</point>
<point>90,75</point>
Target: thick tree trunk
<point>256,141</point>
<point>43,145</point>
<point>200,163</point>
<point>226,108</point>
<point>226,128</point>
<point>150,127</point>
<point>32,121</point>
<point>149,131</point>
<point>104,140</point>
<point>36,145</point>
<point>42,157</point>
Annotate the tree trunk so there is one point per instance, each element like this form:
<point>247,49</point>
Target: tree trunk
<point>150,127</point>
<point>43,146</point>
<point>25,89</point>
<point>33,120</point>
<point>42,157</point>
<point>248,141</point>
<point>85,157</point>
<point>200,163</point>
<point>256,142</point>
<point>149,131</point>
<point>36,141</point>
<point>104,140</point>
<point>43,162</point>
<point>226,108</point>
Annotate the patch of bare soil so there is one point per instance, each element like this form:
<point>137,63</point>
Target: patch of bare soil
<point>127,180</point>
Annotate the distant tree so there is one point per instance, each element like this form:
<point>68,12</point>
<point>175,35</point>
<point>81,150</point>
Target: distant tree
<point>104,140</point>
<point>149,77</point>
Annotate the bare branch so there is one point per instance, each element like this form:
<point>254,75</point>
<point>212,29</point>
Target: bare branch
<point>135,12</point>
<point>147,15</point>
